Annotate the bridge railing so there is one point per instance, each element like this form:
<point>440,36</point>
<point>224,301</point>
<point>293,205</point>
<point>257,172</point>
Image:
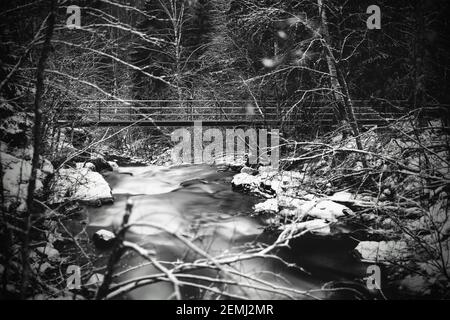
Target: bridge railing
<point>110,111</point>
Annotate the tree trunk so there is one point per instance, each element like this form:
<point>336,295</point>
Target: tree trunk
<point>345,112</point>
<point>36,144</point>
<point>337,80</point>
<point>332,69</point>
<point>419,53</point>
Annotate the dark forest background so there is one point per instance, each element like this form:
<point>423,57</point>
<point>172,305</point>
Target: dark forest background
<point>274,51</point>
<point>311,66</point>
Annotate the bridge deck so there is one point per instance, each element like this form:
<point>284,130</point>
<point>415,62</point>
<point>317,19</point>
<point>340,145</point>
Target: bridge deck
<point>205,123</point>
<point>167,113</point>
<point>166,123</point>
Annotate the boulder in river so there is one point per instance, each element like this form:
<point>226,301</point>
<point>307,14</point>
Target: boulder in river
<point>114,166</point>
<point>249,170</point>
<point>88,165</point>
<point>101,164</point>
<point>383,251</point>
<point>246,182</point>
<point>316,226</point>
<point>289,202</point>
<point>268,206</point>
<point>324,209</point>
<point>81,185</point>
<point>103,239</point>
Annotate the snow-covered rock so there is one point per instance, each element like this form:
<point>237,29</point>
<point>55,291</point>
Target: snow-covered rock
<point>114,166</point>
<point>316,226</point>
<point>16,128</point>
<point>324,209</point>
<point>47,167</point>
<point>383,251</point>
<point>82,185</point>
<point>233,160</point>
<point>16,174</point>
<point>281,181</point>
<point>267,171</point>
<point>48,250</point>
<point>87,165</point>
<point>342,196</point>
<point>288,213</point>
<point>103,239</point>
<point>246,182</point>
<point>249,170</point>
<point>289,202</point>
<point>268,206</point>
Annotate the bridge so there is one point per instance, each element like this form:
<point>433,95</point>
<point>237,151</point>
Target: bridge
<point>217,113</point>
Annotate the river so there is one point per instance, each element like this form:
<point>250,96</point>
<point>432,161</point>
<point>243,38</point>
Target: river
<point>197,203</point>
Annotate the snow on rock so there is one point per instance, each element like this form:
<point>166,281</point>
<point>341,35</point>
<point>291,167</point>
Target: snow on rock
<point>80,184</point>
<point>268,180</point>
<point>270,205</point>
<point>51,253</point>
<point>103,239</point>
<point>249,170</point>
<point>383,251</point>
<point>289,202</point>
<point>281,181</point>
<point>267,172</point>
<point>310,197</point>
<point>47,167</point>
<point>114,166</point>
<point>316,226</point>
<point>342,196</point>
<point>16,174</point>
<point>324,209</point>
<point>288,213</point>
<point>16,124</point>
<point>246,182</point>
<point>233,160</point>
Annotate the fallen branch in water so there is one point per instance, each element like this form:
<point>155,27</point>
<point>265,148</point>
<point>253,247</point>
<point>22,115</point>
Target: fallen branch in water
<point>148,256</point>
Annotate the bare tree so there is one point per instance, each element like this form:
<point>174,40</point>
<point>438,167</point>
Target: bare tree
<point>37,142</point>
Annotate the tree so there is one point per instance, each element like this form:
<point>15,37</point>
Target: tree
<point>40,86</point>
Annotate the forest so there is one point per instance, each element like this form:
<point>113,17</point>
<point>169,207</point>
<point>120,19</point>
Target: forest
<point>240,149</point>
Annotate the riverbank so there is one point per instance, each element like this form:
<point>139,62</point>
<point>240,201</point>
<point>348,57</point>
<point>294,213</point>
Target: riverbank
<point>392,199</point>
<point>388,205</point>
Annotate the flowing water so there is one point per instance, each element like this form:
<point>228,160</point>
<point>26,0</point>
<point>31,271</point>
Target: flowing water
<point>197,202</point>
